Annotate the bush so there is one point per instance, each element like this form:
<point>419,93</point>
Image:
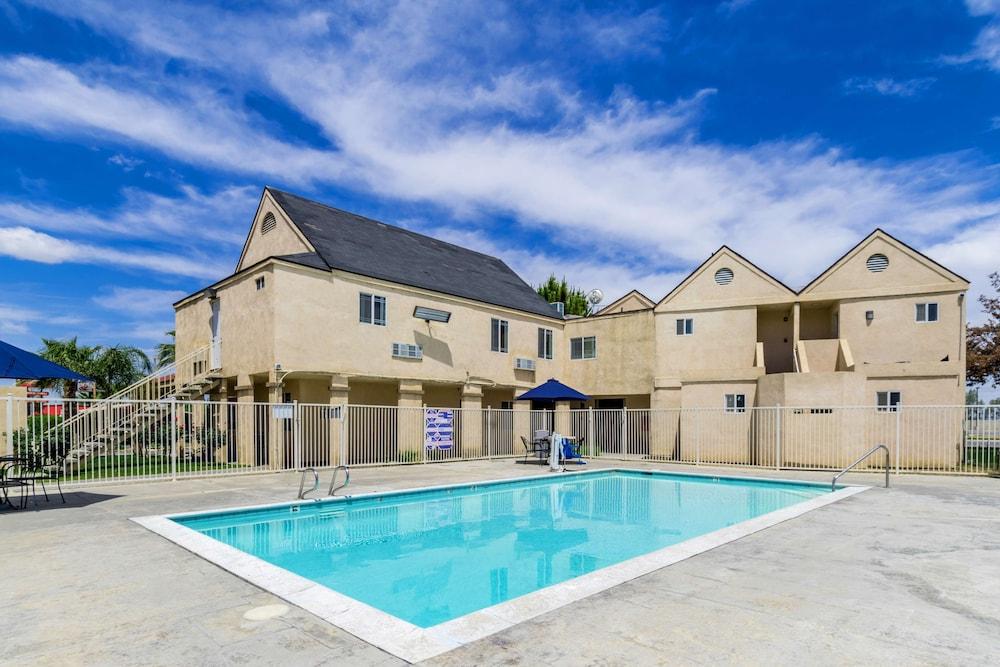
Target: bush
<point>42,436</point>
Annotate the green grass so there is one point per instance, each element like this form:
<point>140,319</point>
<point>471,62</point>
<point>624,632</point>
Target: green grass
<point>113,467</point>
<point>986,458</point>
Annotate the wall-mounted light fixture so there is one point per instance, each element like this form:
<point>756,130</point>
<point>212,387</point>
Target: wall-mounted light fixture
<point>869,316</point>
<point>431,314</point>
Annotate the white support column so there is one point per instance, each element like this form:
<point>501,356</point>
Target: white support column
<point>9,425</point>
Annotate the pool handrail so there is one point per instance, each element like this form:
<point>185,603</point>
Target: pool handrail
<point>833,484</point>
<point>302,482</point>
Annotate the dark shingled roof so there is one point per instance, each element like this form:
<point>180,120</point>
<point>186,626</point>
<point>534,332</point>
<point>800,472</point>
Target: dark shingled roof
<point>371,248</point>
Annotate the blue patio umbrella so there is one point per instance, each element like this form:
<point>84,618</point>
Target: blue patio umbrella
<point>20,364</point>
<point>552,390</point>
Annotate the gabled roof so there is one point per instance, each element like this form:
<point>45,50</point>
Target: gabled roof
<point>880,233</point>
<point>767,277</point>
<point>642,298</point>
<point>367,247</point>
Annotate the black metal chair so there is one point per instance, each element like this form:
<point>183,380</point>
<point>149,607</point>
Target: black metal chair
<point>11,477</point>
<point>41,468</point>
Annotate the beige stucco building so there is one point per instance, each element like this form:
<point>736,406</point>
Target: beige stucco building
<point>328,307</point>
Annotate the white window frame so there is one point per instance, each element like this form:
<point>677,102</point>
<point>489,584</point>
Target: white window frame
<point>373,301</point>
<point>735,403</point>
<point>546,344</point>
<point>928,307</point>
<point>499,335</point>
<point>684,326</point>
<point>583,347</point>
<point>888,401</point>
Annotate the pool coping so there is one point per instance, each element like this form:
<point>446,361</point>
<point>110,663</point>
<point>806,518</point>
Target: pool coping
<point>413,643</point>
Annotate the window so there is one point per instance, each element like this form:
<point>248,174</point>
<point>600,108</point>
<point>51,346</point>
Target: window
<point>372,309</point>
<point>736,402</point>
<point>888,401</point>
<point>685,327</point>
<point>499,332</point>
<point>545,343</point>
<point>259,282</point>
<point>583,348</point>
<point>927,312</point>
<point>268,224</point>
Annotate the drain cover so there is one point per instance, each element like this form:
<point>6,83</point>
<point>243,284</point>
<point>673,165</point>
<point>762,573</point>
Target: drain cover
<point>266,612</point>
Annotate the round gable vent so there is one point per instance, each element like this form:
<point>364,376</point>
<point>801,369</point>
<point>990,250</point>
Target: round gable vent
<point>877,262</point>
<point>724,276</point>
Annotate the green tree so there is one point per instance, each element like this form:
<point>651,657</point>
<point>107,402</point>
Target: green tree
<point>574,298</point>
<point>111,368</point>
<point>166,353</point>
<point>972,397</point>
<point>983,342</point>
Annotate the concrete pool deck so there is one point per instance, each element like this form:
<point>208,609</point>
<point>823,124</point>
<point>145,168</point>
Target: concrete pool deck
<point>908,575</point>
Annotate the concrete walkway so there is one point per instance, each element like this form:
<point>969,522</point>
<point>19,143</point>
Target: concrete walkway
<point>908,576</point>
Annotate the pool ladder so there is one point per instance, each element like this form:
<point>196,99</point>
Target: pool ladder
<point>303,491</point>
<point>833,484</point>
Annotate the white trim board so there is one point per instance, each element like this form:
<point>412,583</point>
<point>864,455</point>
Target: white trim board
<point>412,643</point>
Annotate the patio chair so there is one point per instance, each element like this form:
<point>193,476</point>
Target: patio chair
<point>11,469</point>
<point>536,447</point>
<point>43,468</point>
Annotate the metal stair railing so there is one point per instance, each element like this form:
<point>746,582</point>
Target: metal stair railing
<point>154,387</point>
<point>833,484</point>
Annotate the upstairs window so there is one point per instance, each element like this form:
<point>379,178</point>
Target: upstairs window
<point>372,309</point>
<point>545,343</point>
<point>259,282</point>
<point>888,401</point>
<point>927,312</point>
<point>685,326</point>
<point>736,403</point>
<point>584,347</point>
<point>499,334</point>
<point>268,224</point>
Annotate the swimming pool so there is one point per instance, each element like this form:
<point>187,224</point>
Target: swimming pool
<point>445,558</point>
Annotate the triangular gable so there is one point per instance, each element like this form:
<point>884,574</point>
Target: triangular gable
<point>749,284</point>
<point>634,300</point>
<point>907,268</point>
<point>284,239</point>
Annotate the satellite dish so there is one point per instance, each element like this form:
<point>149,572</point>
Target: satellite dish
<point>595,297</point>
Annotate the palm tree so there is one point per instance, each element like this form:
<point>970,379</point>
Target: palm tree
<point>111,368</point>
<point>70,354</point>
<point>166,353</point>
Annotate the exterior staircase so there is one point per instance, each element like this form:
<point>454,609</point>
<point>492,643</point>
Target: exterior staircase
<point>136,420</point>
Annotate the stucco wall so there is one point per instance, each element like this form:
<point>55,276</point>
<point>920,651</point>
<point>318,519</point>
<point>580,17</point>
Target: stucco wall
<point>723,339</point>
<point>894,335</point>
<point>284,239</point>
<point>317,327</point>
<point>625,352</point>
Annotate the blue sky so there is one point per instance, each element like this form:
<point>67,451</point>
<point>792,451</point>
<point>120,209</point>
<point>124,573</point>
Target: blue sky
<point>618,145</point>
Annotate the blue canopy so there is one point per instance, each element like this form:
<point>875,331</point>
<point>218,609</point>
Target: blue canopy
<point>552,390</point>
<point>23,365</point>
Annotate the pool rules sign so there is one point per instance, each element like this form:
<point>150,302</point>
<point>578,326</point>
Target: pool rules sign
<point>439,428</point>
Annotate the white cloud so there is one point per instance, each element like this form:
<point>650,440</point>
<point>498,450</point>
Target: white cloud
<point>222,216</point>
<point>138,300</point>
<point>191,123</point>
<point>125,162</point>
<point>888,86</point>
<point>416,112</point>
<point>27,244</point>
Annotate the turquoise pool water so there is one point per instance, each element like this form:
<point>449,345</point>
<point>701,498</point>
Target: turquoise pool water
<point>430,556</point>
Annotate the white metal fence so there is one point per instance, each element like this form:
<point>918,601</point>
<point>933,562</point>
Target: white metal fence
<point>95,441</point>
